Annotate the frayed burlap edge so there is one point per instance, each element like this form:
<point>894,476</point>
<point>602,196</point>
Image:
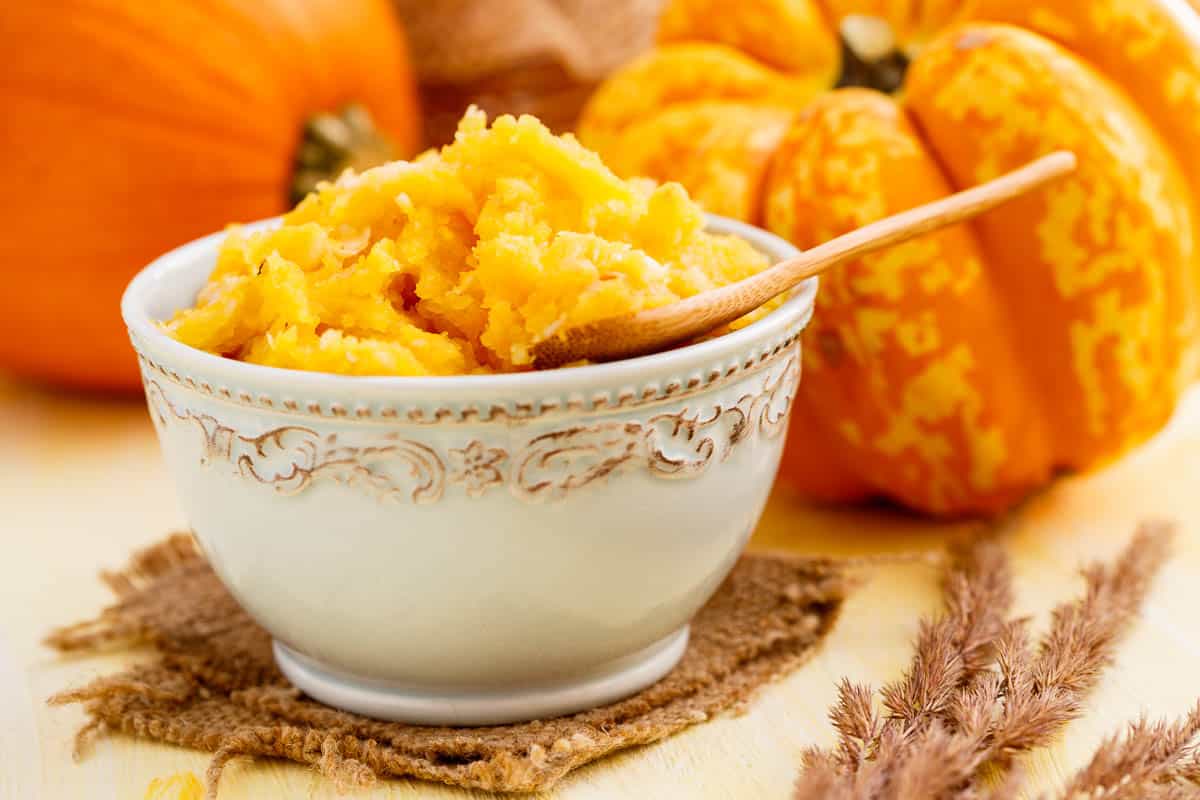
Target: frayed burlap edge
<point>213,684</point>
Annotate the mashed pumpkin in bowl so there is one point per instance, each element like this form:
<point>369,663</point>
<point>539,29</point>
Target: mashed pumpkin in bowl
<point>458,261</point>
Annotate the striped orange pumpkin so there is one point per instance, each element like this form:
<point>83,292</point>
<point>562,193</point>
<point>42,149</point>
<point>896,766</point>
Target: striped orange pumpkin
<point>956,373</point>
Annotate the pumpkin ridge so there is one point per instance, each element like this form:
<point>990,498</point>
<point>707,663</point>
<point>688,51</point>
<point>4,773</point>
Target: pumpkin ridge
<point>884,334</point>
<point>196,65</point>
<point>826,14</point>
<point>108,110</point>
<point>110,103</point>
<point>246,34</point>
<point>1096,195</point>
<point>758,31</point>
<point>1041,439</point>
<point>1167,37</point>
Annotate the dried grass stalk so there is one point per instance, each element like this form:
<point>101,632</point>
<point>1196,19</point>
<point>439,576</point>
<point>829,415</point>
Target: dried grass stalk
<point>1150,760</point>
<point>978,693</point>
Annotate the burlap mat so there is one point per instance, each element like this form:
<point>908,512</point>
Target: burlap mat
<point>213,684</point>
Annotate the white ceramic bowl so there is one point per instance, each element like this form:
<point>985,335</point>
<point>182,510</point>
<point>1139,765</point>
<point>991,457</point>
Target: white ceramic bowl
<point>475,549</point>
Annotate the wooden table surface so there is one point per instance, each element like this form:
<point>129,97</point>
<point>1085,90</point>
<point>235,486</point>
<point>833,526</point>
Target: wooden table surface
<point>82,484</point>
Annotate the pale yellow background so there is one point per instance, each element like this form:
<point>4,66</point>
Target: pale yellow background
<point>81,484</point>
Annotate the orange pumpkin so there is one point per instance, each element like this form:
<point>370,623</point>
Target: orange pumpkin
<point>958,372</point>
<point>130,127</point>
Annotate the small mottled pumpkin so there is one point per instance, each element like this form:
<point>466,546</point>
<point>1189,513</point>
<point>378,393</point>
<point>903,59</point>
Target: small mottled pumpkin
<point>958,372</point>
<point>130,127</point>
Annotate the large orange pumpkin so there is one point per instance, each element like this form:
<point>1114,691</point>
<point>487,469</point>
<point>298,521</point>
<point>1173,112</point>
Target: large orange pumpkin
<point>955,373</point>
<point>130,127</point>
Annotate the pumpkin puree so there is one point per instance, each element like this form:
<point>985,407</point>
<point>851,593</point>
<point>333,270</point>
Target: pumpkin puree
<point>458,261</point>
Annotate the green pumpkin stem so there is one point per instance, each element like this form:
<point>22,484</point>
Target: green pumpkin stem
<point>871,56</point>
<point>334,142</point>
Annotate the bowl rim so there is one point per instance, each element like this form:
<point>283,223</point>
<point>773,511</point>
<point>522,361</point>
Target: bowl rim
<point>146,334</point>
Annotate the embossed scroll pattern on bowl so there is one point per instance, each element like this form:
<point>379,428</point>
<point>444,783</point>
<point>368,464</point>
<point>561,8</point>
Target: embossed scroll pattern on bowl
<point>392,467</point>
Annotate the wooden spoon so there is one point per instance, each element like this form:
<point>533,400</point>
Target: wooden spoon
<point>660,328</point>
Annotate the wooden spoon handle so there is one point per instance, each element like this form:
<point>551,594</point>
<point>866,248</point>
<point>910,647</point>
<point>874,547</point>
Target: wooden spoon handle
<point>710,310</point>
<point>906,225</point>
<point>659,328</point>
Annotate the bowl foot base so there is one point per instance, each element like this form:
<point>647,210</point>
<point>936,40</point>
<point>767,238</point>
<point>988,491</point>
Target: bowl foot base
<point>412,704</point>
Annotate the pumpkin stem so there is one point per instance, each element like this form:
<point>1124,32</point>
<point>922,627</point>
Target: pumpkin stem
<point>334,142</point>
<point>871,56</point>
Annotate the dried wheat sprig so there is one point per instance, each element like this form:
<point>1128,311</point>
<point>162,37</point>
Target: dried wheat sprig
<point>952,650</point>
<point>857,724</point>
<point>1078,646</point>
<point>917,750</point>
<point>1150,759</point>
<point>978,692</point>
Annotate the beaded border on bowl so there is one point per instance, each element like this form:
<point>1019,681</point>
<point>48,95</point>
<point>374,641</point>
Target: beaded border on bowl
<point>673,444</point>
<point>674,389</point>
